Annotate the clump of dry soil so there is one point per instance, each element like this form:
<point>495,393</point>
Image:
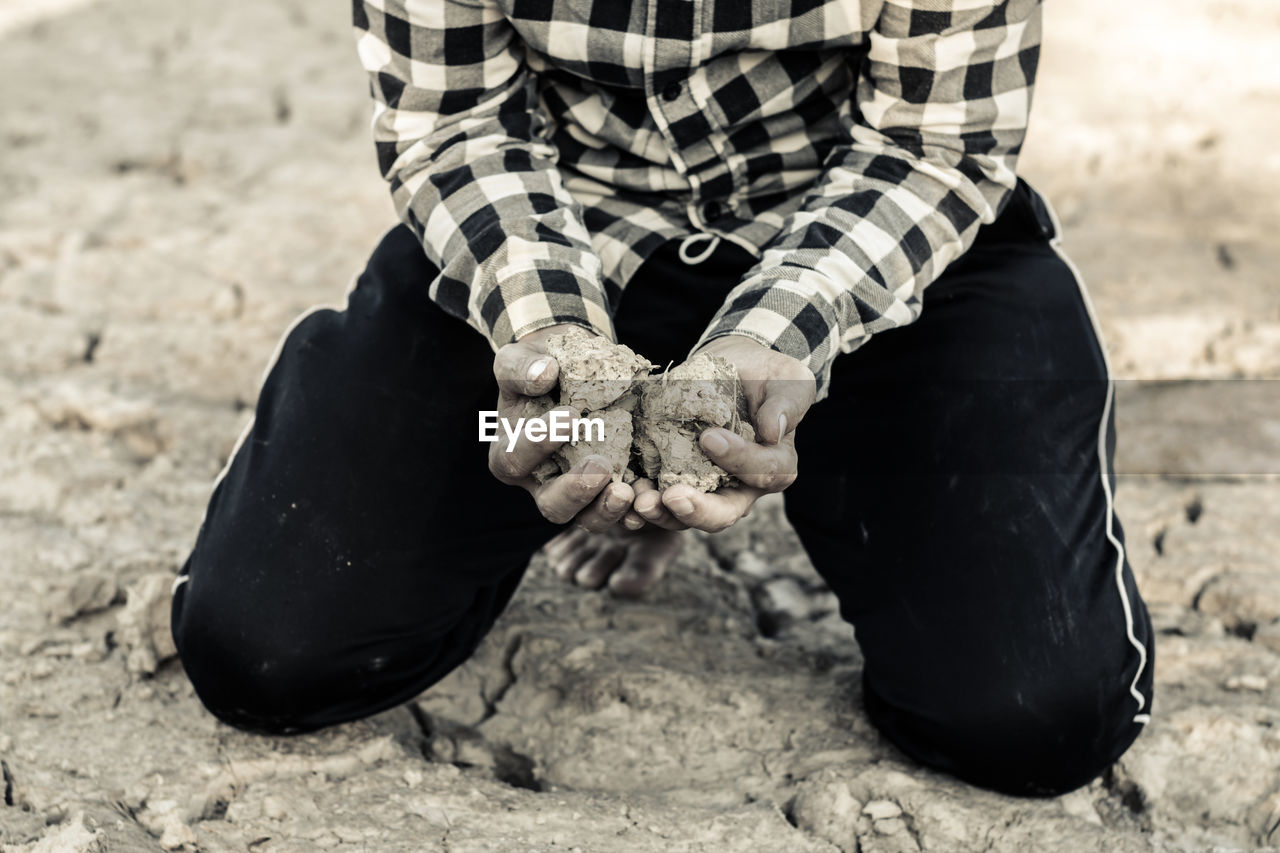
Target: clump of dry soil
<point>651,422</point>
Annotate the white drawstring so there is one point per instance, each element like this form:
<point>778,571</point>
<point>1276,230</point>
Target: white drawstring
<point>712,242</point>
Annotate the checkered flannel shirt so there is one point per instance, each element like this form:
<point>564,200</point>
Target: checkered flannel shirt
<point>542,149</point>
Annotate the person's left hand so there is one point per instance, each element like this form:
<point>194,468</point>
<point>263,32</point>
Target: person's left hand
<point>779,391</point>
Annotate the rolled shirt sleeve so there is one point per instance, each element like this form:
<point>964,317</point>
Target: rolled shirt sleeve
<point>461,139</point>
<point>940,114</point>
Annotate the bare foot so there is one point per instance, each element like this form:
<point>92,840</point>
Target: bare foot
<point>631,562</point>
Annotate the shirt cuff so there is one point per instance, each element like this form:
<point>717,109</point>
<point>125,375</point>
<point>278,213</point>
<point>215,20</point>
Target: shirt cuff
<point>784,317</point>
<point>520,300</point>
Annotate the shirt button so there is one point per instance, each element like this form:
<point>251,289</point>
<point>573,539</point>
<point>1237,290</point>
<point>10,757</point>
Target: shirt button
<point>711,211</point>
<point>671,92</point>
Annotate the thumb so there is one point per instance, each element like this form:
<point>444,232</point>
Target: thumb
<point>783,407</point>
<point>522,369</point>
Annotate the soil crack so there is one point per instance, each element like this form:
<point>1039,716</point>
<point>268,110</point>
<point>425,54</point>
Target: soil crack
<point>1194,509</point>
<point>1204,587</point>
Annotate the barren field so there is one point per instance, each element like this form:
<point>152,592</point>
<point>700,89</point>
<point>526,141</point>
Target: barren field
<point>178,180</point>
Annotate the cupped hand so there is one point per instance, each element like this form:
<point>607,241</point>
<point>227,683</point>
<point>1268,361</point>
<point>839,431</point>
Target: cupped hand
<point>584,494</point>
<point>779,391</point>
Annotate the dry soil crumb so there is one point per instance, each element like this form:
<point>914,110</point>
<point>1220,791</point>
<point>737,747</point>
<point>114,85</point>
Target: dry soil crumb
<point>615,445</point>
<point>593,371</point>
<point>674,410</point>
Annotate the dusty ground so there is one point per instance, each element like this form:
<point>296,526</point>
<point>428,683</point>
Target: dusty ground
<point>179,179</point>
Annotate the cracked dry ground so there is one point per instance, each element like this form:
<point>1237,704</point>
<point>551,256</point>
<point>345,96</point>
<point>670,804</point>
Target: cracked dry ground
<point>179,180</point>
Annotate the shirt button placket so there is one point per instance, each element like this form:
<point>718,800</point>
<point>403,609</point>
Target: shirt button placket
<point>671,92</point>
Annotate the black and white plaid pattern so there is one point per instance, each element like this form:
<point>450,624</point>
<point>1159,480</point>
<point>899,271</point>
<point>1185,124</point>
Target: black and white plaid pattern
<point>542,149</point>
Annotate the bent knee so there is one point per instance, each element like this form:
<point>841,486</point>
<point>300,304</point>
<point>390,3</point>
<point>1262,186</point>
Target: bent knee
<point>300,671</point>
<point>268,676</point>
<point>248,681</point>
<point>1029,740</point>
<point>1049,745</point>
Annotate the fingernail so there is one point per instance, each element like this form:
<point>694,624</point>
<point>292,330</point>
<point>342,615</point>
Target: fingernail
<point>595,471</point>
<point>714,442</point>
<point>614,501</point>
<point>782,425</point>
<point>536,369</point>
<point>680,506</point>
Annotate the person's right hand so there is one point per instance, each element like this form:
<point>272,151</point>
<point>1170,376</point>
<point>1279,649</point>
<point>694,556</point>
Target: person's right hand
<point>583,494</point>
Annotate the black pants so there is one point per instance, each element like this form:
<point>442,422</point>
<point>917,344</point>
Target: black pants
<point>954,491</point>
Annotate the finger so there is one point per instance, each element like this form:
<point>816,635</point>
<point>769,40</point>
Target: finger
<point>648,504</point>
<point>783,405</point>
<point>521,368</point>
<point>633,520</point>
<point>642,568</point>
<point>710,512</point>
<point>607,509</point>
<point>567,495</point>
<point>771,468</point>
<point>512,463</point>
<point>596,570</point>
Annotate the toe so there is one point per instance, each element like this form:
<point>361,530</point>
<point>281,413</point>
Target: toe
<point>571,553</point>
<point>632,580</point>
<point>564,542</point>
<point>646,562</point>
<point>596,570</point>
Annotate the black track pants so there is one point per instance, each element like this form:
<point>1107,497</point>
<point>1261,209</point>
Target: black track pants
<point>955,491</point>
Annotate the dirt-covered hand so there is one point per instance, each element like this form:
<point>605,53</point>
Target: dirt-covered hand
<point>779,391</point>
<point>583,494</point>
